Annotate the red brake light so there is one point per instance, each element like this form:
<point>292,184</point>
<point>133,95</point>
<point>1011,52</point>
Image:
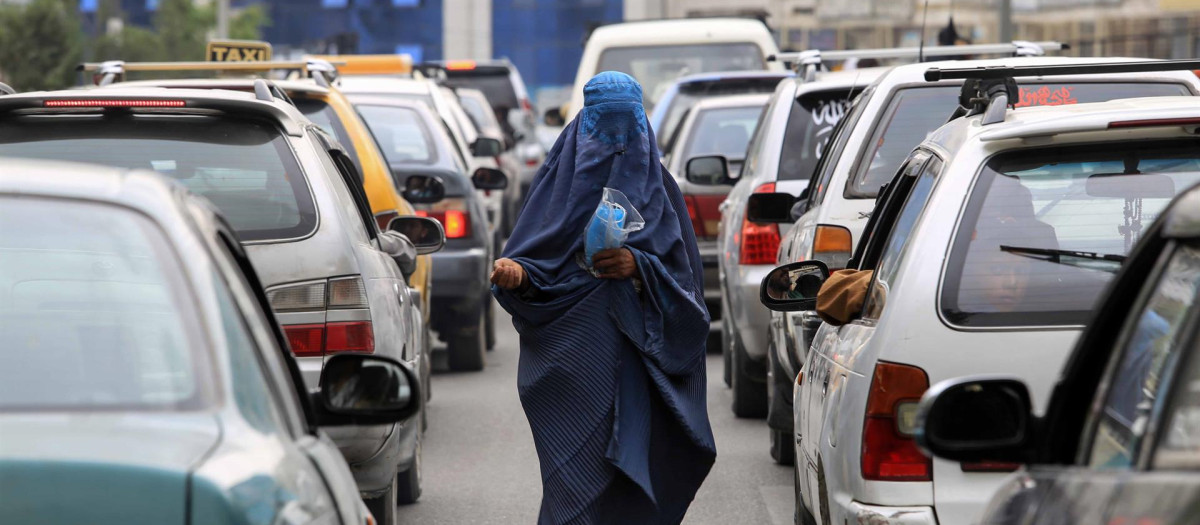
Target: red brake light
<point>759,242</point>
<point>889,452</point>
<point>990,466</point>
<point>460,65</point>
<point>111,103</point>
<point>457,223</point>
<point>1159,122</point>
<point>306,340</point>
<point>526,105</point>
<point>353,336</point>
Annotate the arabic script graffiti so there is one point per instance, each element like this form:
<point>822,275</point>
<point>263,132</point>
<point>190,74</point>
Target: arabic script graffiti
<point>1046,96</point>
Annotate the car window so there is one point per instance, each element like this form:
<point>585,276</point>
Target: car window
<point>688,94</point>
<point>495,85</point>
<point>809,128</point>
<point>756,146</point>
<point>480,114</point>
<point>401,133</point>
<point>94,312</point>
<point>840,136</point>
<point>901,231</point>
<point>245,167</point>
<point>1150,347</point>
<point>655,67</point>
<point>1006,267</point>
<point>250,392</point>
<point>722,131</point>
<point>325,117</point>
<point>914,113</point>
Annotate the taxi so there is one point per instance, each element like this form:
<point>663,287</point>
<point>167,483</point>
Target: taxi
<point>146,380</point>
<point>294,198</point>
<point>988,250</point>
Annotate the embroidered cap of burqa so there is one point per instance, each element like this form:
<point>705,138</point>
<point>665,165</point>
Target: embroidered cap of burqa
<point>612,380</point>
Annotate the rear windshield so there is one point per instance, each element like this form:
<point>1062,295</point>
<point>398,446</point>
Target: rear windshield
<point>656,67</point>
<point>93,312</point>
<point>495,85</point>
<point>809,128</point>
<point>401,134</point>
<point>1005,268</point>
<point>245,167</point>
<point>723,131</point>
<point>691,93</point>
<point>914,113</point>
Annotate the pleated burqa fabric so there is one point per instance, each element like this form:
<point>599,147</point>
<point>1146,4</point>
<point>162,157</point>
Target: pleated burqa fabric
<point>611,379</point>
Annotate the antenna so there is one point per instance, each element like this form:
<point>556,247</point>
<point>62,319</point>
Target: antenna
<point>921,46</point>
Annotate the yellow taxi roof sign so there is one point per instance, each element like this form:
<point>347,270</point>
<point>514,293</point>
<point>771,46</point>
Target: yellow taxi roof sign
<point>237,51</point>
<point>369,64</point>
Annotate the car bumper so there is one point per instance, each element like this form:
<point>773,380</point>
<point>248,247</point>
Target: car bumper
<point>460,274</point>
<point>376,453</point>
<point>752,320</point>
<point>864,514</point>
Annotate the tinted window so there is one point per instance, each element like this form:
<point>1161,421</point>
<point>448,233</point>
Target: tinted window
<point>93,312</point>
<point>324,116</point>
<point>914,113</point>
<point>481,115</point>
<point>495,86</point>
<point>1081,199</point>
<point>655,67</point>
<point>840,136</point>
<point>724,131</point>
<point>401,134</point>
<point>902,229</point>
<point>810,126</point>
<point>691,93</point>
<point>1150,349</point>
<point>245,167</point>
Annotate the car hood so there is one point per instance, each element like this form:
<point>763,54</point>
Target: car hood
<point>109,468</point>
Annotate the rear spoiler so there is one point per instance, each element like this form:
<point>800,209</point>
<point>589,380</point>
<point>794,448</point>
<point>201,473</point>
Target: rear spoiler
<point>106,73</point>
<point>263,103</point>
<point>812,59</point>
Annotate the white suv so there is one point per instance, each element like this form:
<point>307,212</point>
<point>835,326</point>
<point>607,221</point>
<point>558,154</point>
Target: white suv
<point>988,247</point>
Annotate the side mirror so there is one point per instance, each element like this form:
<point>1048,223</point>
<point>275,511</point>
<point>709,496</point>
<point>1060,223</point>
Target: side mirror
<point>793,287</point>
<point>401,249</point>
<point>423,189</point>
<point>489,179</point>
<point>365,389</point>
<point>770,207</point>
<point>978,418</point>
<point>712,170</point>
<point>486,147</point>
<point>553,118</point>
<point>425,234</point>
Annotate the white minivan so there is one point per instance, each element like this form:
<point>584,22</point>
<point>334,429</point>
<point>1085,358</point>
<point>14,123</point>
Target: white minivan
<point>659,51</point>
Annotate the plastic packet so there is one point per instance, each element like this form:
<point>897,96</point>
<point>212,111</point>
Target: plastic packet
<point>615,218</point>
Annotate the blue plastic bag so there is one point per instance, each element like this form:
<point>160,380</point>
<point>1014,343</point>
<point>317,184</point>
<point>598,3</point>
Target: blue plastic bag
<point>614,219</point>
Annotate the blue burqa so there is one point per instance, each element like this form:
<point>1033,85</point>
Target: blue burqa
<point>612,379</point>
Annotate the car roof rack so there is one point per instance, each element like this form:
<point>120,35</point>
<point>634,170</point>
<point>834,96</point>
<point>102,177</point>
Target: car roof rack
<point>6,89</point>
<point>991,90</point>
<point>109,72</point>
<point>806,63</point>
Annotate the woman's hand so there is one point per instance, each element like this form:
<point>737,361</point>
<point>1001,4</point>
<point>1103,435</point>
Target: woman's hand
<point>617,263</point>
<point>508,274</point>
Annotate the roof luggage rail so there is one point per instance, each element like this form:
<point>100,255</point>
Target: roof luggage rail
<point>810,60</point>
<point>112,71</point>
<point>6,89</point>
<point>992,90</point>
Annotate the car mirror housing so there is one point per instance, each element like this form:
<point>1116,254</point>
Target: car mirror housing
<point>486,147</point>
<point>980,418</point>
<point>711,170</point>
<point>770,207</point>
<point>423,189</point>
<point>365,389</point>
<point>425,234</point>
<point>401,249</point>
<point>489,179</point>
<point>793,287</point>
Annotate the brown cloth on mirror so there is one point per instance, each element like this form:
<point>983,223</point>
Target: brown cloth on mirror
<point>842,296</point>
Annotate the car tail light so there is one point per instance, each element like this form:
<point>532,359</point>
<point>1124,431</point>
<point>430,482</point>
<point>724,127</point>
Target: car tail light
<point>112,103</point>
<point>832,245</point>
<point>306,340</point>
<point>1157,122</point>
<point>759,242</point>
<point>453,215</point>
<point>705,213</point>
<point>347,292</point>
<point>460,65</point>
<point>308,296</point>
<point>384,218</point>
<point>353,336</point>
<point>889,452</point>
<point>526,105</point>
<point>989,466</point>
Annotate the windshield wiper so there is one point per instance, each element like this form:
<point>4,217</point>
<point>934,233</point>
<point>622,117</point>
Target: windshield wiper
<point>1055,255</point>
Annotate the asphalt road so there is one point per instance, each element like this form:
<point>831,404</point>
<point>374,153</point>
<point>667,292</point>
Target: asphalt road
<point>480,466</point>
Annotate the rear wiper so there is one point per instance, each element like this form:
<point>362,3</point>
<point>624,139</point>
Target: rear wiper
<point>1055,255</point>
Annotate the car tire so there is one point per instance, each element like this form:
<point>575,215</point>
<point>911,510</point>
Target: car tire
<point>781,447</point>
<point>489,323</point>
<point>823,493</point>
<point>408,483</point>
<point>384,507</point>
<point>749,397</point>
<point>781,444</point>
<point>801,516</point>
<point>466,349</point>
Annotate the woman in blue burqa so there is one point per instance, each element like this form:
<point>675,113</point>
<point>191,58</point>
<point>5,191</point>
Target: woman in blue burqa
<point>612,373</point>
